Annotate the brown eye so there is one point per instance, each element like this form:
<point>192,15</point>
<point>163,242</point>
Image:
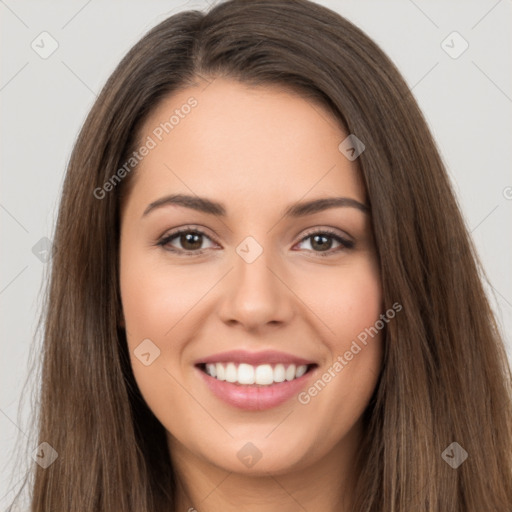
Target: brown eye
<point>185,241</point>
<point>191,241</point>
<point>322,242</point>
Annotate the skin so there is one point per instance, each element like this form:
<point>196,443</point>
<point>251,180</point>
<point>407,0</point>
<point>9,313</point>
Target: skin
<point>257,150</point>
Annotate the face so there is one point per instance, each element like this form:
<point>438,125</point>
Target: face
<point>242,314</point>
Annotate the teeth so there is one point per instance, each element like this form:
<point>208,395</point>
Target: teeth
<point>301,370</point>
<point>290,372</point>
<point>279,373</point>
<point>211,369</point>
<point>231,373</point>
<point>221,371</point>
<point>263,374</point>
<point>246,374</point>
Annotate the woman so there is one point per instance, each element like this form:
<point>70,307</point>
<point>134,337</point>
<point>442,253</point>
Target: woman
<point>253,302</point>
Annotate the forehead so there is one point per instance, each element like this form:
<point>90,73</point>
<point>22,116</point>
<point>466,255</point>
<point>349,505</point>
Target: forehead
<point>231,140</point>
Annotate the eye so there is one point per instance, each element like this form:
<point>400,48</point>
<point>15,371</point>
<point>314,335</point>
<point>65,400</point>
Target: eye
<point>321,242</point>
<point>190,240</point>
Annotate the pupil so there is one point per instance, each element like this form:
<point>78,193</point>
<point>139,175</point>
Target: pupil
<point>321,246</point>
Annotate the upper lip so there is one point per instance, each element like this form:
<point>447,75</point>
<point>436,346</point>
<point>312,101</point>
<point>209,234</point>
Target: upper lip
<point>254,358</point>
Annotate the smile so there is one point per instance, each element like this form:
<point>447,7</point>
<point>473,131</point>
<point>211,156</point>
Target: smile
<point>263,374</point>
<point>255,381</point>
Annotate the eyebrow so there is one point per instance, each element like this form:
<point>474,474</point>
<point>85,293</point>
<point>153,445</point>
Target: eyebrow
<point>208,206</point>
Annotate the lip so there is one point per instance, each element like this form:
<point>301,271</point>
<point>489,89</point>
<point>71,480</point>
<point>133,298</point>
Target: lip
<point>255,397</point>
<point>254,358</point>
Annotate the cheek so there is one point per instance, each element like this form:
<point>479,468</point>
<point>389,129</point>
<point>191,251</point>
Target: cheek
<point>157,304</point>
<point>150,312</point>
<point>155,297</point>
<point>359,327</point>
<point>345,383</point>
<point>346,300</point>
<point>359,305</point>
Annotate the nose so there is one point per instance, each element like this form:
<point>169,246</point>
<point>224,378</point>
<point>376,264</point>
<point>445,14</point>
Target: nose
<point>256,294</point>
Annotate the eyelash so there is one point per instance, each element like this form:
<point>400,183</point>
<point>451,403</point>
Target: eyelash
<point>345,244</point>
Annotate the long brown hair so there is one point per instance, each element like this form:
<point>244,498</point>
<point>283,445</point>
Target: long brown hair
<point>445,376</point>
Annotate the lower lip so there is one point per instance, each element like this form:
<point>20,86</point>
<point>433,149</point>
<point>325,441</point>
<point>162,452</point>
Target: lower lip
<point>253,397</point>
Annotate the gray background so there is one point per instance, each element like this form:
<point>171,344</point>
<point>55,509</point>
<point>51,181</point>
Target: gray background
<point>467,101</point>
